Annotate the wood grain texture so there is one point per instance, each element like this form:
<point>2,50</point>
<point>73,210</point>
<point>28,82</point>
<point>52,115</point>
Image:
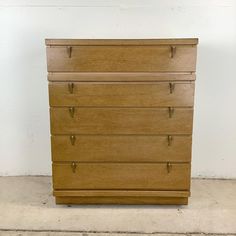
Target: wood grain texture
<point>119,193</point>
<point>116,76</point>
<point>121,59</point>
<point>73,42</point>
<point>134,176</point>
<point>121,121</point>
<point>123,200</point>
<point>117,94</point>
<point>121,148</point>
<point>113,139</point>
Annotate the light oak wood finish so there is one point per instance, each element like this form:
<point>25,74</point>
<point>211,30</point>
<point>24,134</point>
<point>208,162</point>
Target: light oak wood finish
<point>119,193</point>
<point>121,120</point>
<point>154,176</point>
<point>159,94</point>
<point>123,42</point>
<point>121,148</point>
<point>123,200</point>
<point>121,58</point>
<point>120,197</point>
<point>118,77</point>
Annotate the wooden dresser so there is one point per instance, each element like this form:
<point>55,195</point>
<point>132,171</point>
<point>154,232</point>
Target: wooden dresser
<point>121,120</point>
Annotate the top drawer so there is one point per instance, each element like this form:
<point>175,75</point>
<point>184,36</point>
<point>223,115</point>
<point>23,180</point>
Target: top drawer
<point>121,58</point>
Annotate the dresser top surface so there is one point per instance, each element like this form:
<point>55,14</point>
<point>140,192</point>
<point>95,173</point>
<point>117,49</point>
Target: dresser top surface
<point>74,42</point>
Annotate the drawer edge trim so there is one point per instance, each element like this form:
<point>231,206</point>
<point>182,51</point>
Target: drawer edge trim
<point>113,193</point>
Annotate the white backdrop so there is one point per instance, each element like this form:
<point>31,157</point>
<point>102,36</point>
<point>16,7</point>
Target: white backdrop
<point>24,117</point>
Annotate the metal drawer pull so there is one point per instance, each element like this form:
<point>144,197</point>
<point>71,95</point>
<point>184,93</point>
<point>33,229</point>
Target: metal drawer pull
<point>172,51</point>
<point>72,111</point>
<point>172,87</point>
<point>72,139</point>
<point>171,111</point>
<point>169,140</point>
<point>69,51</point>
<point>73,166</point>
<point>71,87</point>
<point>169,167</point>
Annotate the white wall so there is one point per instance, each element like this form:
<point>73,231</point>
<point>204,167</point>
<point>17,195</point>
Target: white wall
<point>24,24</point>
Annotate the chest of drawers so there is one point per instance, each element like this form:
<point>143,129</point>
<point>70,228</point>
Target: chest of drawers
<point>121,120</point>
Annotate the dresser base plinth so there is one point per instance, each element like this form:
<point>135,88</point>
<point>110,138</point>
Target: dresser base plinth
<point>123,200</point>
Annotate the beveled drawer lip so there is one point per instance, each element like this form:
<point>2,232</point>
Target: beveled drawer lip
<point>121,42</point>
<point>56,83</point>
<point>120,76</point>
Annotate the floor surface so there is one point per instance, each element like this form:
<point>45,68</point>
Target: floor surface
<point>24,233</point>
<point>27,208</point>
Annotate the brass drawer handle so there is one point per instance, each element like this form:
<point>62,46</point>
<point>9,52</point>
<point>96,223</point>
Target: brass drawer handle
<point>171,111</point>
<point>172,51</point>
<point>73,166</point>
<point>169,167</point>
<point>69,51</point>
<point>170,139</point>
<point>72,111</point>
<point>71,87</point>
<point>72,139</point>
<point>172,87</point>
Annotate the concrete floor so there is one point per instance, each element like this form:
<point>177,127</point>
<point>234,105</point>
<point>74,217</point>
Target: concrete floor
<point>49,233</point>
<point>23,233</point>
<point>27,208</point>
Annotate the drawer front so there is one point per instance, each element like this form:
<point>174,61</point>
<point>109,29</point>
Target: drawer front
<point>121,120</point>
<point>121,176</point>
<point>121,148</point>
<point>121,58</point>
<point>121,94</point>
